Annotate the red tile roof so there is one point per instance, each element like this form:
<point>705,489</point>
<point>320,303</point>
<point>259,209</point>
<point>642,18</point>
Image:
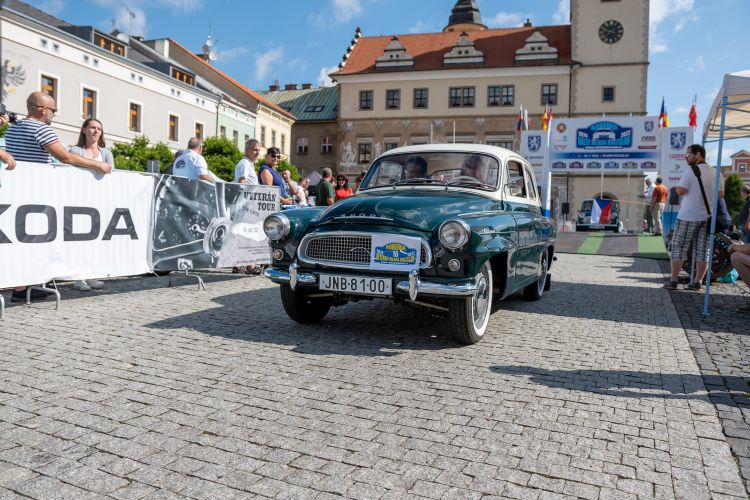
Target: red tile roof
<point>498,45</point>
<point>234,82</point>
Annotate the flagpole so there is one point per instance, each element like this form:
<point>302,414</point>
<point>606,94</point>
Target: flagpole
<point>547,171</point>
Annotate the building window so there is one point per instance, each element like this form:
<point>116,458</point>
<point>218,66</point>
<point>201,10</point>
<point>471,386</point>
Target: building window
<point>236,138</point>
<point>549,94</point>
<point>507,93</point>
<point>312,109</point>
<point>223,132</point>
<point>493,95</point>
<point>365,100</point>
<point>608,94</point>
<point>502,141</point>
<point>302,145</point>
<point>89,103</point>
<point>420,98</point>
<point>263,135</point>
<point>419,139</point>
<point>49,86</point>
<point>199,131</point>
<point>393,99</point>
<point>389,144</point>
<point>174,128</point>
<point>742,167</point>
<point>134,122</point>
<point>364,152</point>
<point>273,138</point>
<point>247,138</point>
<point>182,76</point>
<point>283,143</point>
<point>326,144</point>
<point>110,45</point>
<point>461,97</point>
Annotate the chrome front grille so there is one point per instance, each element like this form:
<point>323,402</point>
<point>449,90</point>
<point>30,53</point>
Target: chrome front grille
<point>352,249</point>
<point>346,249</point>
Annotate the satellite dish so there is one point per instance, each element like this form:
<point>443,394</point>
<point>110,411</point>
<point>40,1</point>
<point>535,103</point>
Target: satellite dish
<point>209,42</point>
<point>122,37</point>
<point>212,56</point>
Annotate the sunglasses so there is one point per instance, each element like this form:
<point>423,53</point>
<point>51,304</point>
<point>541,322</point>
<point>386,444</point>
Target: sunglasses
<point>274,156</point>
<point>54,110</point>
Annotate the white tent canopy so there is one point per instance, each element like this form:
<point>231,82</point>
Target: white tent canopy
<point>736,90</point>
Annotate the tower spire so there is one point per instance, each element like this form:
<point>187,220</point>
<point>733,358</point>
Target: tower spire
<point>465,16</point>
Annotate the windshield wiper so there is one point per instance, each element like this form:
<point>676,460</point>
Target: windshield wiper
<point>474,182</point>
<point>418,180</point>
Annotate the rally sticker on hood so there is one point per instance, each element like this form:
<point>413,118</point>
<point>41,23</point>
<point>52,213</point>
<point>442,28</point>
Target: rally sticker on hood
<point>394,252</point>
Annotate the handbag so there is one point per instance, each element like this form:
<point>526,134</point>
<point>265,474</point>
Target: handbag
<point>720,227</point>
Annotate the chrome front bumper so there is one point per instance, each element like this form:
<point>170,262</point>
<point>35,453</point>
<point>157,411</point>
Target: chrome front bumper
<point>414,286</point>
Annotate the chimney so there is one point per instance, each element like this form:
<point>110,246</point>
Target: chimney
<point>527,24</point>
<point>306,86</point>
<point>271,88</point>
<point>290,86</point>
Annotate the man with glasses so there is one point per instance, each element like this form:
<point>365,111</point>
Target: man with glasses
<point>32,138</point>
<point>269,176</point>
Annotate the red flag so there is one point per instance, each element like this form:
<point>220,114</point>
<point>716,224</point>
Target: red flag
<point>693,117</point>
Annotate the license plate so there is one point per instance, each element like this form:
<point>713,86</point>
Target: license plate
<point>355,284</point>
<point>597,226</point>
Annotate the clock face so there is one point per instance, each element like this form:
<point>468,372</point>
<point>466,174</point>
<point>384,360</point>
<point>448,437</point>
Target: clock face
<point>611,31</point>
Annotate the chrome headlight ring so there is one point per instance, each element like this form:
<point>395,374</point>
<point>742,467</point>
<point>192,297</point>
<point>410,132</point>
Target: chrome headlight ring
<point>277,227</point>
<point>454,234</point>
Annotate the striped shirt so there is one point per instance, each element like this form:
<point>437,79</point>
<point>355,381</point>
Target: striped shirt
<point>27,139</point>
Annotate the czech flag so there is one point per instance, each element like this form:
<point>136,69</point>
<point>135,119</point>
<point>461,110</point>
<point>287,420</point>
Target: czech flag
<point>693,116</point>
<point>600,211</point>
<point>520,119</point>
<point>663,116</point>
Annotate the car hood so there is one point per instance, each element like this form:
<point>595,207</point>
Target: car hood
<point>421,210</point>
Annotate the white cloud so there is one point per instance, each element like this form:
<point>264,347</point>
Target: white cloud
<point>52,7</point>
<point>338,12</point>
<point>712,153</point>
<point>230,54</point>
<point>562,15</point>
<point>265,61</point>
<point>681,110</point>
<point>508,19</point>
<point>695,65</point>
<point>132,22</point>
<point>659,12</point>
<point>323,79</point>
<point>182,5</point>
<point>421,27</point>
<point>299,64</point>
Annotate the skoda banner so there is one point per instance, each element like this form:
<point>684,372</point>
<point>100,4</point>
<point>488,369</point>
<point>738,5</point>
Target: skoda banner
<point>675,141</point>
<point>72,223</point>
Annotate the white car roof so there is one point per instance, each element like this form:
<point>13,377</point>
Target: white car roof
<point>499,152</point>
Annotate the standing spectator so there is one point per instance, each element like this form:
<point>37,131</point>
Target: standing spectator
<point>244,172</point>
<point>657,201</point>
<point>32,139</point>
<point>298,194</point>
<point>692,218</point>
<point>359,179</point>
<point>304,184</point>
<point>191,163</point>
<point>648,192</point>
<point>325,194</point>
<point>343,191</point>
<point>745,214</point>
<point>740,257</point>
<point>269,176</point>
<point>91,145</point>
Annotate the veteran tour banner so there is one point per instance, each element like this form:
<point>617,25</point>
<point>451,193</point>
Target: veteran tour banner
<point>58,221</point>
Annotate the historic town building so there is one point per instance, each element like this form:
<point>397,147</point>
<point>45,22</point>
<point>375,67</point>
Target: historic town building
<point>314,144</point>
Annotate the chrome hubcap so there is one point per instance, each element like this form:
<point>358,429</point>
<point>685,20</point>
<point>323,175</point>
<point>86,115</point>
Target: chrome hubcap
<point>481,299</point>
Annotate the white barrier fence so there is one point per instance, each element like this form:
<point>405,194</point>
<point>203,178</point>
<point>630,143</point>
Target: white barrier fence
<point>62,222</point>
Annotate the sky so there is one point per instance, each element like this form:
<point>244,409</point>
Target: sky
<point>692,43</point>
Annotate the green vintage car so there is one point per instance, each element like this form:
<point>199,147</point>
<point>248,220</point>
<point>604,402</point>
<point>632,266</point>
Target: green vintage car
<point>449,227</point>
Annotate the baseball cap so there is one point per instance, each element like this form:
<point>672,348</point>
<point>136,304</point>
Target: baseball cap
<point>273,152</point>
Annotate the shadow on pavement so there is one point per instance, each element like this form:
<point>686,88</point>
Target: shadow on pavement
<point>631,384</point>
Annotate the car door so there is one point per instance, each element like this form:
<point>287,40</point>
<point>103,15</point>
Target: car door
<point>517,197</point>
<point>535,208</point>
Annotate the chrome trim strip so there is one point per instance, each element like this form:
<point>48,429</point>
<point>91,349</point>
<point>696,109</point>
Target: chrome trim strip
<point>428,288</point>
<point>283,277</point>
<point>302,250</point>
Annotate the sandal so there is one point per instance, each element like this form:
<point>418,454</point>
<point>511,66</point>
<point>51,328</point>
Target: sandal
<point>670,285</point>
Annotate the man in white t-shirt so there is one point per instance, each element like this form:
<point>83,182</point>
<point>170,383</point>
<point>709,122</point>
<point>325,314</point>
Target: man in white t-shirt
<point>297,193</point>
<point>692,219</point>
<point>244,172</point>
<point>191,163</point>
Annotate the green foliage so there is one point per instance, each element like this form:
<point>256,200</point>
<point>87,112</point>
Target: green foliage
<point>283,164</point>
<point>732,186</point>
<point>222,156</point>
<point>134,156</point>
<point>3,129</point>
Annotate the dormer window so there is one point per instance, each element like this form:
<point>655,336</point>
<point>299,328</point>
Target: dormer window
<point>109,44</point>
<point>463,52</point>
<point>183,76</point>
<point>394,55</point>
<point>536,48</point>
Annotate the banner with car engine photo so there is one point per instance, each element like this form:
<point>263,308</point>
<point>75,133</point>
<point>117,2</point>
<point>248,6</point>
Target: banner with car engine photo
<point>200,225</point>
<point>615,145</point>
<point>64,222</point>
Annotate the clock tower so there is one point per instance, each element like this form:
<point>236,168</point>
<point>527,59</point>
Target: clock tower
<point>609,45</point>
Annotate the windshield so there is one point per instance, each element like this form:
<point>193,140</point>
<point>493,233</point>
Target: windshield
<point>471,170</point>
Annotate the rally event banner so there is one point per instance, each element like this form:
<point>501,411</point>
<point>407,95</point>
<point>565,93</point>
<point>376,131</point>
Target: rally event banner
<point>72,223</point>
<point>200,225</point>
<point>675,141</point>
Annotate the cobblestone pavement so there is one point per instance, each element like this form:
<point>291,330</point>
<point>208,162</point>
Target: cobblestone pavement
<point>149,392</point>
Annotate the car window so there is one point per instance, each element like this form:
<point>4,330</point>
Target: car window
<point>470,170</point>
<point>530,183</point>
<point>516,185</point>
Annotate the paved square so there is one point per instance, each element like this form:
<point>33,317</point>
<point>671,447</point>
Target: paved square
<point>145,391</point>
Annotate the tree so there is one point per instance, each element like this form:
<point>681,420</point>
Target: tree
<point>134,156</point>
<point>222,156</point>
<point>732,186</point>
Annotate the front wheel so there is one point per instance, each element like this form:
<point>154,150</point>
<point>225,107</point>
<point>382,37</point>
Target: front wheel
<point>302,308</point>
<point>535,290</point>
<point>469,316</point>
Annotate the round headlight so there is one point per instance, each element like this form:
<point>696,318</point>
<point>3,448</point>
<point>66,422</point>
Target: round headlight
<point>454,234</point>
<point>276,226</point>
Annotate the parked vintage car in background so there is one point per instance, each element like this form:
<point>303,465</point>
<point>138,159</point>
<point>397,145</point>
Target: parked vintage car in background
<point>446,227</point>
<point>609,221</point>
